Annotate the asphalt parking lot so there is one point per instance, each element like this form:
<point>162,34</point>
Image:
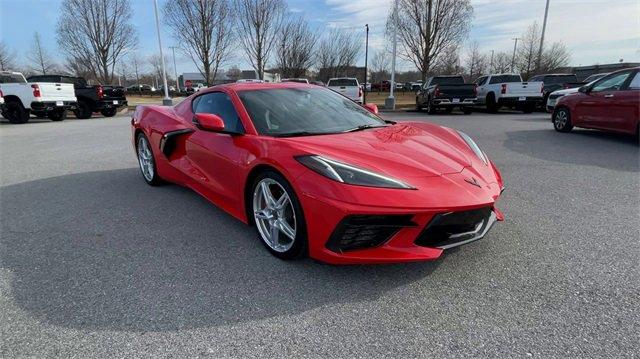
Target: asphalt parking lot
<point>95,263</point>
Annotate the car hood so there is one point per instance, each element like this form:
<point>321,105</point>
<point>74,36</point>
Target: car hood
<point>403,150</point>
<point>566,91</point>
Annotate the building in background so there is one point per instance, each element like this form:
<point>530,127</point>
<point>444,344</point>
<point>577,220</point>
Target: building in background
<point>582,72</point>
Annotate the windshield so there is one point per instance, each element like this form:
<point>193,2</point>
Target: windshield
<point>7,78</point>
<point>458,80</point>
<point>562,79</point>
<point>342,82</point>
<point>595,77</point>
<point>304,111</point>
<point>505,78</point>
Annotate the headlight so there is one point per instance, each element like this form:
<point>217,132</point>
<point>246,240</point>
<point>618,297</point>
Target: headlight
<point>474,147</point>
<point>345,173</point>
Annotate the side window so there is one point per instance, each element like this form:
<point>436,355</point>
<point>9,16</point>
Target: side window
<point>220,104</point>
<point>481,80</point>
<point>612,82</point>
<point>635,82</point>
<point>536,79</point>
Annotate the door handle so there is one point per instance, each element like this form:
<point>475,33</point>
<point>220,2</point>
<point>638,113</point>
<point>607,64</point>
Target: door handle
<point>608,96</point>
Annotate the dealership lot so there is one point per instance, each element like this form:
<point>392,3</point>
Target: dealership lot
<point>95,263</point>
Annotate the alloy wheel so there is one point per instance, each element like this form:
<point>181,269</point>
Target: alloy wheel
<point>274,215</point>
<point>145,158</point>
<point>561,119</point>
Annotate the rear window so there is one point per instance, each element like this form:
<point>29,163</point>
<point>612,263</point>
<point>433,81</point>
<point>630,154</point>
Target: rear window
<point>563,79</point>
<point>343,82</point>
<point>505,78</point>
<point>11,78</point>
<point>447,80</point>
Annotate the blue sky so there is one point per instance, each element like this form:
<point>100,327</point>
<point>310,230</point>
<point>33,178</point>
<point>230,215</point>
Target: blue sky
<point>595,31</point>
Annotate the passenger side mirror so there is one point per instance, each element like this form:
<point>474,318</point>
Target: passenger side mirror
<point>584,89</point>
<point>208,122</point>
<point>371,107</point>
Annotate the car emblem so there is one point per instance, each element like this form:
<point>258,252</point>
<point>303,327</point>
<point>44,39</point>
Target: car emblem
<point>473,181</point>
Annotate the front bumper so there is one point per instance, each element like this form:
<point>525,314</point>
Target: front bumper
<point>47,106</point>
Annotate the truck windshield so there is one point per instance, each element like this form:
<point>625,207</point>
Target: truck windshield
<point>304,111</point>
<point>505,78</point>
<point>11,78</point>
<point>458,80</point>
<point>342,82</point>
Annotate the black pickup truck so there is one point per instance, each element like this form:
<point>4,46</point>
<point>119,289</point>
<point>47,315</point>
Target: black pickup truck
<point>97,98</point>
<point>553,82</point>
<point>446,92</point>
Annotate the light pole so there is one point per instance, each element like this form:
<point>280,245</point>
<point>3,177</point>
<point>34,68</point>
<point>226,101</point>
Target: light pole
<point>491,62</point>
<point>175,69</point>
<point>366,53</point>
<point>166,101</point>
<point>390,102</point>
<point>544,27</point>
<point>513,58</point>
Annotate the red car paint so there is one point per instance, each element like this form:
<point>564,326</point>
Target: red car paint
<point>615,109</point>
<point>433,159</point>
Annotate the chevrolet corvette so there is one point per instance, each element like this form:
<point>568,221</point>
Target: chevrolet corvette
<point>319,175</point>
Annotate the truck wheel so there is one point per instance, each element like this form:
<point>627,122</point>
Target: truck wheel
<point>418,105</point>
<point>467,110</point>
<point>109,112</point>
<point>492,106</point>
<point>430,108</point>
<point>528,108</point>
<point>15,112</point>
<point>83,111</point>
<point>448,109</point>
<point>57,115</point>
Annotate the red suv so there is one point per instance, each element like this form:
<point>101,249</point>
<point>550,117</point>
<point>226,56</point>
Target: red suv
<point>611,104</point>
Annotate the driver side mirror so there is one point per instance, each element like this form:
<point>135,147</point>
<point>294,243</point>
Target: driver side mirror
<point>584,89</point>
<point>208,122</point>
<point>371,107</point>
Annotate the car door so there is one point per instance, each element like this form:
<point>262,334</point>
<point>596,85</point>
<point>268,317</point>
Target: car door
<point>627,105</point>
<point>214,157</point>
<point>600,107</point>
<point>481,89</point>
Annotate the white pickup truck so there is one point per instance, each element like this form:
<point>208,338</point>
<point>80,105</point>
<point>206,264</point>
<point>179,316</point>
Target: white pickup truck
<point>346,86</point>
<point>42,98</point>
<point>508,90</point>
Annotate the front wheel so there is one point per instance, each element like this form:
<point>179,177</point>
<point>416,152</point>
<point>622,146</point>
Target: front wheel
<point>278,216</point>
<point>430,108</point>
<point>15,112</point>
<point>83,111</point>
<point>146,161</point>
<point>467,110</point>
<point>562,120</point>
<point>109,112</point>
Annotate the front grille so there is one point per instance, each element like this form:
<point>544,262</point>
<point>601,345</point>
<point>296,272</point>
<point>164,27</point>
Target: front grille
<point>454,228</point>
<point>366,231</point>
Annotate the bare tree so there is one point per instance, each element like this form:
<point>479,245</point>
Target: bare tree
<point>39,56</point>
<point>428,28</point>
<point>527,53</point>
<point>6,57</point>
<point>338,50</point>
<point>259,22</point>
<point>554,57</point>
<point>97,33</point>
<point>234,73</point>
<point>501,63</point>
<point>297,43</point>
<point>77,67</point>
<point>203,28</point>
<point>448,62</point>
<point>380,65</point>
<point>476,62</point>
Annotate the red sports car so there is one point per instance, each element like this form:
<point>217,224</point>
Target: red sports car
<point>611,104</point>
<point>320,175</point>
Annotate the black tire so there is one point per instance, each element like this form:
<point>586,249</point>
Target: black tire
<point>467,110</point>
<point>492,106</point>
<point>152,179</point>
<point>448,109</point>
<point>298,247</point>
<point>562,120</point>
<point>83,111</point>
<point>57,115</point>
<point>528,108</point>
<point>418,105</point>
<point>109,112</point>
<point>15,112</point>
<point>430,108</point>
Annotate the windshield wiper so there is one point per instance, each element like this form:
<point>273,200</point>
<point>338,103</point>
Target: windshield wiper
<point>364,127</point>
<point>300,133</point>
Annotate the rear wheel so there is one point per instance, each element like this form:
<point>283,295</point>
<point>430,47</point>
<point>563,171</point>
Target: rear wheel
<point>278,216</point>
<point>109,112</point>
<point>83,111</point>
<point>528,108</point>
<point>492,106</point>
<point>418,105</point>
<point>562,120</point>
<point>146,161</point>
<point>430,108</point>
<point>57,115</point>
<point>467,110</point>
<point>448,109</point>
<point>15,112</point>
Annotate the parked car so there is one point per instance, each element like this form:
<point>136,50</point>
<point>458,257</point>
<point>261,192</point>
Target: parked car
<point>97,98</point>
<point>22,98</point>
<point>1,101</point>
<point>555,95</point>
<point>498,90</point>
<point>347,86</point>
<point>141,88</point>
<point>446,92</point>
<point>249,80</point>
<point>399,86</point>
<point>299,80</point>
<point>367,86</point>
<point>320,176</point>
<point>317,82</point>
<point>381,86</point>
<point>553,82</point>
<point>609,104</point>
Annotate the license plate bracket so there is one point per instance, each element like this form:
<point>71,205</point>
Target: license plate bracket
<point>59,103</point>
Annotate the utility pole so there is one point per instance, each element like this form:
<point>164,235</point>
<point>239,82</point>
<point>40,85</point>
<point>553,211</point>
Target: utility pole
<point>390,102</point>
<point>166,101</point>
<point>175,69</point>
<point>491,62</point>
<point>366,53</point>
<point>513,58</point>
<point>544,27</point>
